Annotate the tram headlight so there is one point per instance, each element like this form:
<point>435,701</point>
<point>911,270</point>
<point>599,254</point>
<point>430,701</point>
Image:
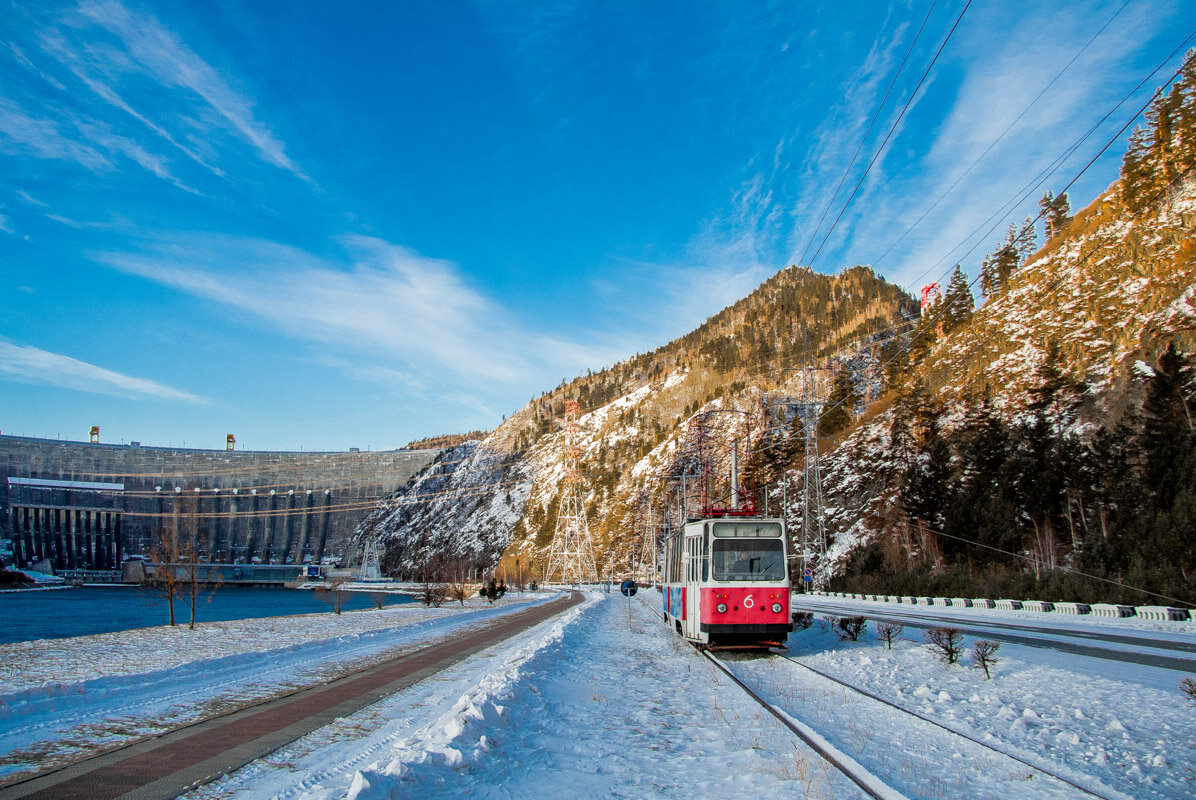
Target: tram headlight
<point>776,608</point>
<point>721,608</point>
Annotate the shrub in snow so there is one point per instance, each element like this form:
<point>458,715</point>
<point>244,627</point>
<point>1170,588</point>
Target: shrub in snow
<point>434,594</point>
<point>887,632</point>
<point>848,628</point>
<point>493,590</point>
<point>947,643</point>
<point>984,655</point>
<point>459,590</point>
<point>802,620</point>
<point>1188,687</point>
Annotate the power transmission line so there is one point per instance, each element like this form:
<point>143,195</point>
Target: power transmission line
<point>892,129</point>
<point>876,115</point>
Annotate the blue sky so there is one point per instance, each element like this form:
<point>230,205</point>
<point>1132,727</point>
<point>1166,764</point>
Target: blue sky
<point>330,225</point>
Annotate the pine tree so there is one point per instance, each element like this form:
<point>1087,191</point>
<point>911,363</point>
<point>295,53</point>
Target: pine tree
<point>1185,86</point>
<point>1060,213</point>
<point>998,266</point>
<point>958,304</point>
<point>1137,171</point>
<point>1165,148</point>
<point>1056,211</point>
<point>1044,209</point>
<point>1026,240</point>
<point>792,447</point>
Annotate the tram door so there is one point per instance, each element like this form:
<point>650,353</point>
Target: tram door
<point>694,564</point>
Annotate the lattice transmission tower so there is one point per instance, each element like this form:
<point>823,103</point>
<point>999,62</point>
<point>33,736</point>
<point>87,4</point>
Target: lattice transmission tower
<point>813,528</point>
<point>572,553</point>
<point>371,560</point>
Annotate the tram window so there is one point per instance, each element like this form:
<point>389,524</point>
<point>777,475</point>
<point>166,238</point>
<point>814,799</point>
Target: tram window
<point>704,543</point>
<point>748,560</point>
<point>749,530</point>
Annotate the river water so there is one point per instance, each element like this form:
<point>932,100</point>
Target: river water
<point>60,613</point>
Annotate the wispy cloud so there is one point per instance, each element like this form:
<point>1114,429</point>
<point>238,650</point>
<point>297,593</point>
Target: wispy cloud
<point>162,54</point>
<point>33,365</point>
<point>995,137</point>
<point>403,311</point>
<point>122,86</point>
<point>24,134</point>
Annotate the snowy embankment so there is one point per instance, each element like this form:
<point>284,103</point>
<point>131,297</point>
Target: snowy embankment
<point>601,702</point>
<point>605,701</point>
<point>61,699</point>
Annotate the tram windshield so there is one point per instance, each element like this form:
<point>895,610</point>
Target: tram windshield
<point>748,560</point>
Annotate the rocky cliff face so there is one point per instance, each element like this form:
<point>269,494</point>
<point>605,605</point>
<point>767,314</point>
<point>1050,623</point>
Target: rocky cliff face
<point>501,495</point>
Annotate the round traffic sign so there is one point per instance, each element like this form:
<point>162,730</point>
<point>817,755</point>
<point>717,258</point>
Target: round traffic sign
<point>628,588</point>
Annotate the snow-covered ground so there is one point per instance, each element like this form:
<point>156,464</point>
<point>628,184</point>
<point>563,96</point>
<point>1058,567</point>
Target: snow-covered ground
<point>604,701</point>
<point>61,698</point>
<point>601,702</point>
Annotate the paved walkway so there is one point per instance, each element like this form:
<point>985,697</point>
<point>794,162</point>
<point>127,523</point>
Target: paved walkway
<point>166,766</point>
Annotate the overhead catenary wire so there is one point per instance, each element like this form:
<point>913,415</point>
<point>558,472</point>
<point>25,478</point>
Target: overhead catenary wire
<point>939,310</point>
<point>1005,133</point>
<point>872,122</point>
<point>892,130</point>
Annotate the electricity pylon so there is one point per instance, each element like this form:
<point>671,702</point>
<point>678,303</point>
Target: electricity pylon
<point>371,561</point>
<point>572,553</point>
<point>813,529</point>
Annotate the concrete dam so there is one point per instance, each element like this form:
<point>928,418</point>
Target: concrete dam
<point>89,506</point>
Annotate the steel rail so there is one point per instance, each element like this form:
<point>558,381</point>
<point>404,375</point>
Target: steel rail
<point>862,781</point>
<point>937,724</point>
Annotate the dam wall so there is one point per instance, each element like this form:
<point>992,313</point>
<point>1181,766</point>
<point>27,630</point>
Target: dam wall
<point>83,505</point>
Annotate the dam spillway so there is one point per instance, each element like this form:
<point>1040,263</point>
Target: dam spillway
<point>83,505</point>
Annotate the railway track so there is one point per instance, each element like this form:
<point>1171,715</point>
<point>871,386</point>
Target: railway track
<point>875,711</point>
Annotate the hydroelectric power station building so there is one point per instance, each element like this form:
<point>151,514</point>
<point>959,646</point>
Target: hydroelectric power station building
<point>88,506</point>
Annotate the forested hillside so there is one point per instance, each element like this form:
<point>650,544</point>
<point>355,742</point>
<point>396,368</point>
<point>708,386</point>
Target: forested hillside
<point>1043,444</point>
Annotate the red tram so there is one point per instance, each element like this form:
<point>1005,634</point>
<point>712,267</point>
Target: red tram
<point>726,582</point>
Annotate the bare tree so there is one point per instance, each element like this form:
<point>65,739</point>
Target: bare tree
<point>984,654</point>
<point>888,632</point>
<point>333,595</point>
<point>197,580</point>
<point>946,642</point>
<point>378,599</point>
<point>459,590</point>
<point>433,594</point>
<point>1188,687</point>
<point>459,586</point>
<point>166,581</point>
<point>849,628</point>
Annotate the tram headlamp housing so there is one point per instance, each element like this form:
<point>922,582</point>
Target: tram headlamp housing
<point>721,608</point>
<point>776,608</point>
